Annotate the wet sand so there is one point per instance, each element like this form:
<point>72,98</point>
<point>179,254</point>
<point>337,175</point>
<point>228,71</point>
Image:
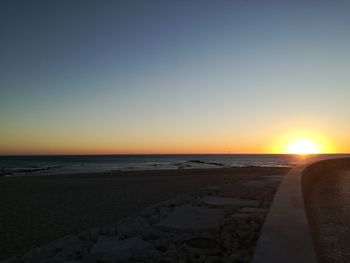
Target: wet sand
<point>328,207</point>
<point>35,210</point>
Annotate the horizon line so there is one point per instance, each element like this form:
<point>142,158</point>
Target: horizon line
<point>129,154</point>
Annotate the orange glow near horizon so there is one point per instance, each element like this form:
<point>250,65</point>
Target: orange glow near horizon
<point>304,146</point>
<point>304,143</point>
<point>269,142</point>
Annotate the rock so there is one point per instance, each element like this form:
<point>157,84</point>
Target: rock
<point>191,218</point>
<point>116,250</point>
<point>131,226</point>
<point>226,201</point>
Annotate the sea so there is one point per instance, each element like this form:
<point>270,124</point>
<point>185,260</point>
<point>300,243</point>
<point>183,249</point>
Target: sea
<point>75,164</point>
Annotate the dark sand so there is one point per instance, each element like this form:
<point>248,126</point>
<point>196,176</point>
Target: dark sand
<point>37,209</point>
<point>328,205</point>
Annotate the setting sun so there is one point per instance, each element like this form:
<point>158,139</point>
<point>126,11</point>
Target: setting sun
<point>303,146</point>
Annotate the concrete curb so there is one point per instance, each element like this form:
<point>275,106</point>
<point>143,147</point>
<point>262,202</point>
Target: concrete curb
<point>286,236</point>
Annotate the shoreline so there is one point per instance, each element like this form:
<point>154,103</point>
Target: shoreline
<point>39,209</point>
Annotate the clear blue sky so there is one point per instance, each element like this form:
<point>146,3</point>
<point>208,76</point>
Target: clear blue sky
<point>171,76</point>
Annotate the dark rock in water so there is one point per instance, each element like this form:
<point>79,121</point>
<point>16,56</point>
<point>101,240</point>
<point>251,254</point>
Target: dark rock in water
<point>202,246</point>
<point>5,171</point>
<point>202,162</point>
<point>195,161</point>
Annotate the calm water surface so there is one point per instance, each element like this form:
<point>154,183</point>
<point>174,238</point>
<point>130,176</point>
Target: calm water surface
<point>45,165</point>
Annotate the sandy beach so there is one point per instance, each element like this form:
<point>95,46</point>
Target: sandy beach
<point>36,210</point>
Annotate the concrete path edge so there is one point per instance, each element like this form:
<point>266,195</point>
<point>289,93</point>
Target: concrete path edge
<point>286,236</point>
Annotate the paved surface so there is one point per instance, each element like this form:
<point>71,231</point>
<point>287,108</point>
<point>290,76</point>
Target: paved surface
<point>286,236</point>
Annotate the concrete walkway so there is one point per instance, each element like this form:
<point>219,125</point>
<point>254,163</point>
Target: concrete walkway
<point>286,236</point>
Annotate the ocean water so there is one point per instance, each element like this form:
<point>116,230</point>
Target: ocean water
<point>46,165</point>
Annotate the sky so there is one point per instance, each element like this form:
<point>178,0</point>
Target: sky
<point>128,77</point>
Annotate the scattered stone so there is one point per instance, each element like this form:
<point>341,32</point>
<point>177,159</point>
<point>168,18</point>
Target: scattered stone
<point>192,218</point>
<point>116,250</point>
<point>226,201</point>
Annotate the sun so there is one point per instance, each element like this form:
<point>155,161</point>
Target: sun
<point>303,146</point>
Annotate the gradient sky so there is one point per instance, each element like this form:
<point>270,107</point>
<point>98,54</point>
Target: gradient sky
<point>81,77</point>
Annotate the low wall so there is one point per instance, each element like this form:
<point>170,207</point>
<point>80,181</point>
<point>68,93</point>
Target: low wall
<point>317,169</point>
<point>325,187</point>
